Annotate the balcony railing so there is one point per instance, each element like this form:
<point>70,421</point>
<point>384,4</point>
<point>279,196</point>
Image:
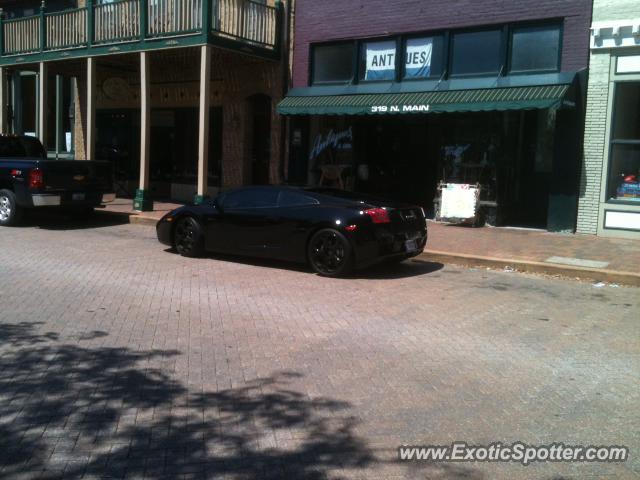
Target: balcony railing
<point>244,22</point>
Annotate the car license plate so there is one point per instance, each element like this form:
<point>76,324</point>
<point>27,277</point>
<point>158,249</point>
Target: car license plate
<point>77,196</point>
<point>410,246</point>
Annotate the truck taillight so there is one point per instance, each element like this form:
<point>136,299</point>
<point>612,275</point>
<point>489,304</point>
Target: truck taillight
<point>378,215</point>
<point>36,178</point>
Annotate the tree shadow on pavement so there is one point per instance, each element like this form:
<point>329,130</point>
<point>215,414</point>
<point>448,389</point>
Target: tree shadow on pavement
<point>68,410</point>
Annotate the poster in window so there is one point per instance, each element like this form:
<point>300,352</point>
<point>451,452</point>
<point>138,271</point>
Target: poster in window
<point>381,61</point>
<point>418,57</point>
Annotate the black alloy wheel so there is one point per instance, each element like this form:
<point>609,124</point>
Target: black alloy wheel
<point>187,237</point>
<point>330,253</point>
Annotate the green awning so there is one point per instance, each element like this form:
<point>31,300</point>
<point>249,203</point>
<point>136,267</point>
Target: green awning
<point>472,100</point>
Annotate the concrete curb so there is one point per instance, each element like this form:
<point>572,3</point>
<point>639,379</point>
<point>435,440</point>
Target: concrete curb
<point>593,274</point>
<point>129,217</point>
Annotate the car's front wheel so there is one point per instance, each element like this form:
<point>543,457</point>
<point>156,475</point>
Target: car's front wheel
<point>330,253</point>
<point>188,238</point>
<point>9,211</point>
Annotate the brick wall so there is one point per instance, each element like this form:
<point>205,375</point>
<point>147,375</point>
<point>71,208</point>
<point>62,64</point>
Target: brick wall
<point>615,10</point>
<point>318,21</point>
<point>595,140</point>
<point>594,143</point>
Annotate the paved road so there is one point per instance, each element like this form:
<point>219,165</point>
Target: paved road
<point>119,359</point>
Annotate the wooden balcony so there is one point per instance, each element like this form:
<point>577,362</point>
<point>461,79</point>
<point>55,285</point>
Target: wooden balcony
<point>138,25</point>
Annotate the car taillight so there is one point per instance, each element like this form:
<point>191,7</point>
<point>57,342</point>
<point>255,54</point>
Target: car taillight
<point>378,215</point>
<point>36,178</point>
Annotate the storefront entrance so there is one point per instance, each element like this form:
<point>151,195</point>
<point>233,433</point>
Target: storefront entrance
<point>510,154</point>
<point>174,150</point>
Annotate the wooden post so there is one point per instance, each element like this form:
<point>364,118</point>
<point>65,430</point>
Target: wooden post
<point>90,149</point>
<point>203,125</point>
<point>142,200</point>
<point>42,104</point>
<point>16,103</point>
<point>1,32</point>
<point>43,28</point>
<point>90,23</point>
<point>144,18</point>
<point>59,113</point>
<point>206,17</point>
<point>3,103</point>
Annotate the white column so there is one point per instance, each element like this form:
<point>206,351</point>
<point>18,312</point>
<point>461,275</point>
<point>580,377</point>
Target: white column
<point>42,104</point>
<point>90,149</point>
<point>145,121</point>
<point>3,103</point>
<point>203,129</point>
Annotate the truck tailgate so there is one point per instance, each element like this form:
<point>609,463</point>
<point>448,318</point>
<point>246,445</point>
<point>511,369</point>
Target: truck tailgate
<point>81,175</point>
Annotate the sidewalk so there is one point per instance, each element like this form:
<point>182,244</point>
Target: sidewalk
<point>588,257</point>
<point>612,260</point>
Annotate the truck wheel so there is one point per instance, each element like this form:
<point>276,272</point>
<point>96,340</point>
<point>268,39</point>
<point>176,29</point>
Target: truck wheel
<point>10,213</point>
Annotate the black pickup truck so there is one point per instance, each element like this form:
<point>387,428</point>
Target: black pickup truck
<point>29,180</point>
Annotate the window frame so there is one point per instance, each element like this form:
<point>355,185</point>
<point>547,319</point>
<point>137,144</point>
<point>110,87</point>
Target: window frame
<point>223,200</point>
<point>539,24</point>
<point>444,55</point>
<point>447,36</point>
<point>613,142</point>
<point>354,62</point>
<point>361,51</point>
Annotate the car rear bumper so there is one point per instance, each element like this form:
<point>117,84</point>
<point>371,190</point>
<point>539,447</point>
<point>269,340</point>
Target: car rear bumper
<point>71,199</point>
<point>379,245</point>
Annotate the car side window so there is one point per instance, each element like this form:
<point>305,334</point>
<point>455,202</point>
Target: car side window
<point>290,198</point>
<point>253,198</point>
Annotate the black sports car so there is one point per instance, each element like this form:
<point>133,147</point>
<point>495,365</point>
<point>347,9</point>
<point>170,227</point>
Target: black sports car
<point>332,230</point>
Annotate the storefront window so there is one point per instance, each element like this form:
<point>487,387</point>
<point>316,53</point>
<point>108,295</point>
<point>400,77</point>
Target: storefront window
<point>624,164</point>
<point>378,61</point>
<point>423,57</point>
<point>333,63</point>
<point>477,53</point>
<point>535,48</point>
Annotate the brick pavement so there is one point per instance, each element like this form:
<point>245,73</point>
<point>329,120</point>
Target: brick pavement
<point>119,359</point>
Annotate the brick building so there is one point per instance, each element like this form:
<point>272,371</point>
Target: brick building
<point>610,187</point>
<point>396,98</point>
<point>179,95</point>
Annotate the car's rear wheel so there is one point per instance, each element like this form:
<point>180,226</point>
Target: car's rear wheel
<point>330,253</point>
<point>188,238</point>
<point>10,213</point>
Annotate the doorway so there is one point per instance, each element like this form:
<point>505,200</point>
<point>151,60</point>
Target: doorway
<point>260,136</point>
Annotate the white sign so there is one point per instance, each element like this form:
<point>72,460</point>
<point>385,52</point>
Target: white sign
<point>459,200</point>
<point>623,220</point>
<point>381,61</point>
<point>418,57</point>
<point>628,64</point>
